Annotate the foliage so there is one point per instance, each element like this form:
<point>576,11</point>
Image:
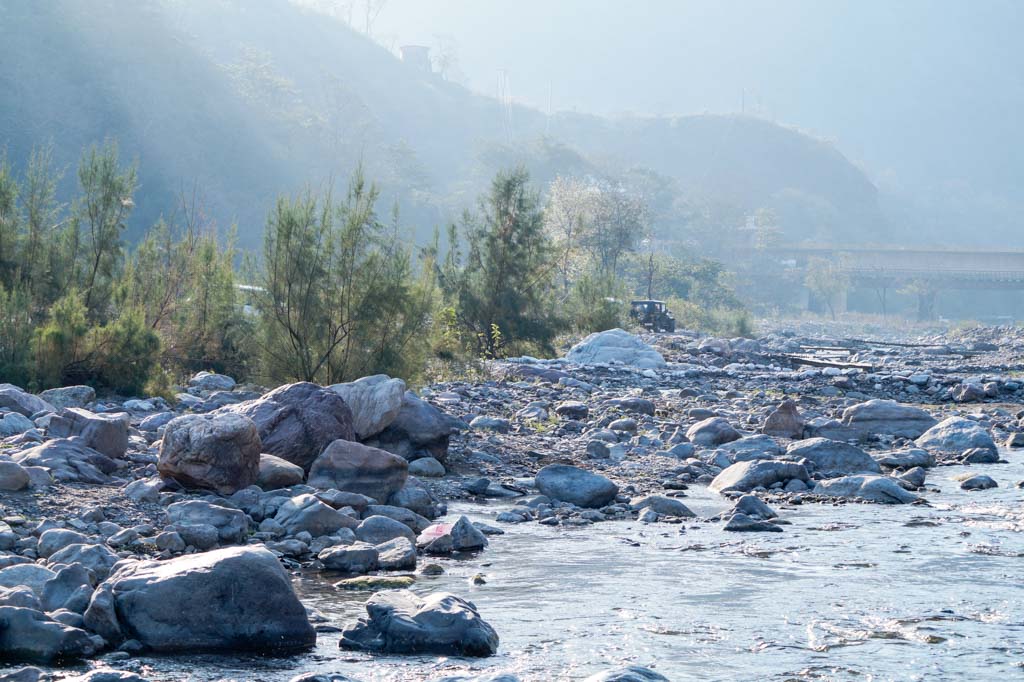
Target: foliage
<point>337,297</point>
<point>598,302</point>
<point>500,291</point>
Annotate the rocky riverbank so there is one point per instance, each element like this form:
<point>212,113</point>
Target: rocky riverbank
<point>132,527</point>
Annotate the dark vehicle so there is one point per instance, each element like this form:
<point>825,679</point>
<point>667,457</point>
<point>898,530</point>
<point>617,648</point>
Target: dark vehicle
<point>652,314</point>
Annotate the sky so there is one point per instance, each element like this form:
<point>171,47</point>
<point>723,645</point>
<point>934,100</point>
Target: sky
<point>921,93</point>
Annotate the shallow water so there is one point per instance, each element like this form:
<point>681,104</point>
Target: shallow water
<point>851,592</point>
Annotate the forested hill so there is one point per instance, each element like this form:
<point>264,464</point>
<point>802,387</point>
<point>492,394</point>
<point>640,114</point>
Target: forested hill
<point>247,100</point>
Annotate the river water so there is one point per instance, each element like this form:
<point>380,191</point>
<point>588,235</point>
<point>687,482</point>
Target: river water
<point>847,592</point>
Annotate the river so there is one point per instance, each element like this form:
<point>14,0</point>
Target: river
<point>847,592</point>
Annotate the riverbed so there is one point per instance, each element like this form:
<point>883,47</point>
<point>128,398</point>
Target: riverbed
<point>846,592</point>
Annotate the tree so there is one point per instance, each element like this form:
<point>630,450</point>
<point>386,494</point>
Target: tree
<point>103,207</point>
<point>616,225</point>
<point>827,282</point>
<point>336,296</point>
<point>500,293</point>
<point>569,208</point>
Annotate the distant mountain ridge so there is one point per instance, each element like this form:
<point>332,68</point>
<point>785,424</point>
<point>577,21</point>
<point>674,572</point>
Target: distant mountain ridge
<point>247,100</point>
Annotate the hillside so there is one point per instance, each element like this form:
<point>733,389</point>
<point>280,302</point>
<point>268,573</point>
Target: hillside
<point>245,101</point>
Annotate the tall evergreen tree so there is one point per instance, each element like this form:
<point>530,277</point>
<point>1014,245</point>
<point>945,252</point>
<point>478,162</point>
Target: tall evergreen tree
<point>501,294</point>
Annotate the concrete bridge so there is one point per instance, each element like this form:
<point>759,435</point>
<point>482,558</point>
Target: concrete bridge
<point>937,268</point>
<point>926,271</point>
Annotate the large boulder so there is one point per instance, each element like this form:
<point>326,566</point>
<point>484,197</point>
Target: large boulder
<point>752,447</point>
<point>14,423</point>
<point>13,476</point>
<point>69,460</point>
<point>784,421</point>
<point>445,538</point>
<point>16,400</point>
<point>618,346</point>
<point>234,599</point>
<point>711,432</point>
<point>745,476</point>
<point>231,525</point>
<point>30,635</point>
<point>69,396</point>
<point>96,558</point>
<point>888,417</point>
<point>578,486</point>
<point>219,452</point>
<point>833,456</point>
<point>275,472</point>
<point>356,468</point>
<point>955,435</point>
<point>375,402</point>
<point>418,427</point>
<point>106,433</point>
<point>307,513</point>
<point>211,381</point>
<point>399,622</point>
<point>297,421</point>
<point>881,489</point>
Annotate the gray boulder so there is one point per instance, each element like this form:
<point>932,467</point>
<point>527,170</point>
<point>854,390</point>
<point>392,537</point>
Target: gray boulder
<point>234,599</point>
<point>297,421</point>
<point>375,402</point>
<point>955,435</point>
<point>275,473</point>
<point>418,426</point>
<point>211,381</point>
<point>379,529</point>
<point>663,506</point>
<point>889,417</point>
<point>356,468</point>
<point>396,555</point>
<point>232,525</point>
<point>881,489</point>
<point>29,635</point>
<point>578,486</point>
<point>69,396</point>
<point>307,513</point>
<point>359,557</point>
<point>426,466</point>
<point>15,423</point>
<point>400,622</point>
<point>219,452</point>
<point>417,497</point>
<point>752,447</point>
<point>70,589</point>
<point>784,421</point>
<point>68,460</point>
<point>106,433</point>
<point>615,346</point>
<point>754,507</point>
<point>745,476</point>
<point>978,482</point>
<point>56,539</point>
<point>13,476</point>
<point>741,523</point>
<point>711,432</point>
<point>906,459</point>
<point>97,558</point>
<point>32,576</point>
<point>16,400</point>
<point>833,456</point>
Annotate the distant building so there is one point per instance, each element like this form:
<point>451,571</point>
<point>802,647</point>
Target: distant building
<point>416,56</point>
